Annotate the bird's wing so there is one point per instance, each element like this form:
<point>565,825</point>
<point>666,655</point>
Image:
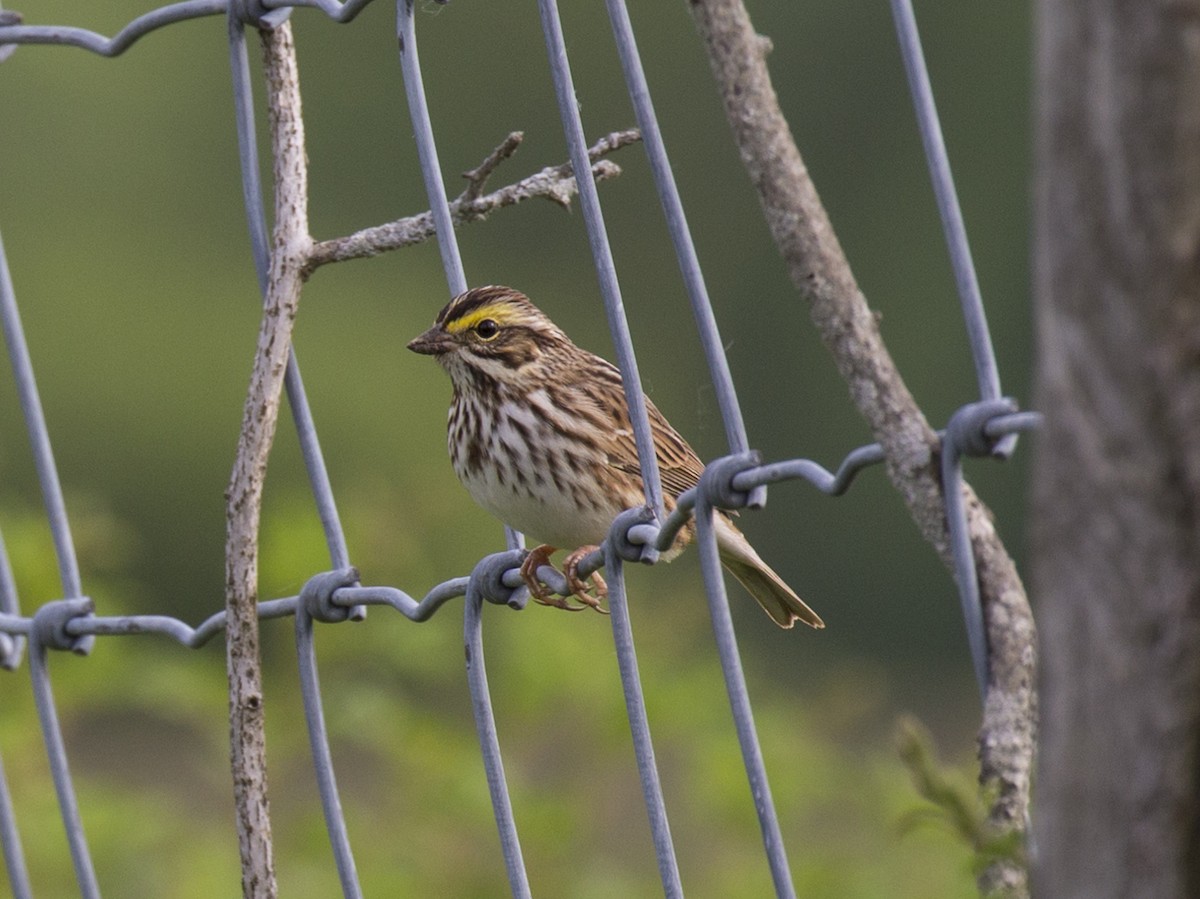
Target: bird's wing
<point>679,467</point>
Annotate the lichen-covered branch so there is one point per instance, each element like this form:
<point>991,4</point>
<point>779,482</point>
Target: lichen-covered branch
<point>556,183</point>
<point>822,274</point>
<point>289,250</point>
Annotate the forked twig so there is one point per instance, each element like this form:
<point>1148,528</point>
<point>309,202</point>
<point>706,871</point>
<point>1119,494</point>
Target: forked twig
<point>556,183</point>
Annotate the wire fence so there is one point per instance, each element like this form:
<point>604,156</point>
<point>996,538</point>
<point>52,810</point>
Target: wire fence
<point>987,426</point>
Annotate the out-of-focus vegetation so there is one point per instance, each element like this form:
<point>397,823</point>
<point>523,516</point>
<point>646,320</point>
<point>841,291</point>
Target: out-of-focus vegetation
<point>120,209</point>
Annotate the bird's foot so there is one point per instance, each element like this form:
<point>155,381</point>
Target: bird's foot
<point>590,594</point>
<point>535,559</point>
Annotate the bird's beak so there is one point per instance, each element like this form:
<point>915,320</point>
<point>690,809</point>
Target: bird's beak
<point>433,342</point>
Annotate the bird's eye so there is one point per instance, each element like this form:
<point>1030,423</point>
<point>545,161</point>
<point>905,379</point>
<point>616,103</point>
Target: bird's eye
<point>487,329</point>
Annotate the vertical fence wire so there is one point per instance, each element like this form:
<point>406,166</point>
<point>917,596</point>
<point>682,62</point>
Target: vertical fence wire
<point>982,353</point>
<point>314,714</point>
<point>10,835</point>
<point>39,434</point>
<point>10,651</point>
<point>431,170</point>
<point>10,843</point>
<point>60,773</point>
<point>714,584</point>
<point>606,272</point>
<point>639,725</point>
<point>610,290</point>
<point>964,564</point>
<point>68,566</point>
<point>318,473</point>
<point>485,723</point>
<point>955,229</point>
<point>681,235</point>
<point>489,741</point>
<point>739,699</point>
<point>252,193</point>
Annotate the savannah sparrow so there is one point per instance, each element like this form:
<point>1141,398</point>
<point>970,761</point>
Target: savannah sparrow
<point>539,434</point>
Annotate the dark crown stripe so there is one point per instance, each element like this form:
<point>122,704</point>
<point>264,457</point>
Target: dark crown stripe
<point>468,302</point>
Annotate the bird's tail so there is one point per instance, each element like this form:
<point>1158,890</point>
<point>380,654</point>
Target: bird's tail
<point>777,598</point>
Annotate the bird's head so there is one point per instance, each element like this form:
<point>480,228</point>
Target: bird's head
<point>492,333</point>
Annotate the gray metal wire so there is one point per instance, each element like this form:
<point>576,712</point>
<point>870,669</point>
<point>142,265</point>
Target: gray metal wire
<point>486,583</point>
<point>986,427</point>
<point>10,844</point>
<point>10,654</point>
<point>68,568</point>
<point>639,723</point>
<point>431,170</point>
<point>955,229</point>
<point>681,235</point>
<point>39,435</point>
<point>456,280</point>
<point>316,602</point>
<point>606,270</point>
<point>957,442</point>
<point>11,646</point>
<point>46,632</point>
<point>122,40</point>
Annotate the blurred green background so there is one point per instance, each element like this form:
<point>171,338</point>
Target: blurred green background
<point>120,209</point>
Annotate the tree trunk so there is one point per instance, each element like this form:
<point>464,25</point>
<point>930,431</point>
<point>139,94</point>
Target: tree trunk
<point>1116,528</point>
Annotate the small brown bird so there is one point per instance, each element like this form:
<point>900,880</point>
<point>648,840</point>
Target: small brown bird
<point>539,434</point>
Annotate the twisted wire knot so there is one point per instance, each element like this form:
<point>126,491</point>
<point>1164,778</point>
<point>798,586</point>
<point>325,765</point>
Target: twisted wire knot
<point>632,535</point>
<point>51,625</point>
<point>256,14</point>
<point>317,594</point>
<point>716,484</point>
<point>967,428</point>
<point>488,579</point>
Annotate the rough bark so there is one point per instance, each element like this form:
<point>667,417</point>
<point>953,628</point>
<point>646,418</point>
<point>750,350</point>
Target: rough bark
<point>1117,480</point>
<point>289,251</point>
<point>822,275</point>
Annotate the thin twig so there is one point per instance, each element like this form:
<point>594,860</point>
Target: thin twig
<point>822,274</point>
<point>289,249</point>
<point>478,176</point>
<point>556,183</point>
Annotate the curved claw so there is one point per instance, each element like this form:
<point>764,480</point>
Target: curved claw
<point>589,592</point>
<point>535,559</point>
<point>591,595</point>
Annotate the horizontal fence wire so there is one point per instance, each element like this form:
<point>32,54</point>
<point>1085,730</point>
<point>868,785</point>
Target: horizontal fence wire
<point>987,427</point>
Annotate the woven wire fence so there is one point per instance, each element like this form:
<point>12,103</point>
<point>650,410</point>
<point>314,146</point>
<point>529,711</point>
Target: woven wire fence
<point>986,426</point>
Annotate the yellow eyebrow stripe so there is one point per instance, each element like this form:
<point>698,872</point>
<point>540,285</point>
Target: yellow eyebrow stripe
<point>497,313</point>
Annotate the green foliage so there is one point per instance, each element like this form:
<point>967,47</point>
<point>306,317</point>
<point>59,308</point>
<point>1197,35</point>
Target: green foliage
<point>956,802</point>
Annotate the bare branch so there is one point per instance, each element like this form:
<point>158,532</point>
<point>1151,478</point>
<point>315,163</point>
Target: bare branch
<point>477,177</point>
<point>556,183</point>
<point>289,249</point>
<point>822,274</point>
